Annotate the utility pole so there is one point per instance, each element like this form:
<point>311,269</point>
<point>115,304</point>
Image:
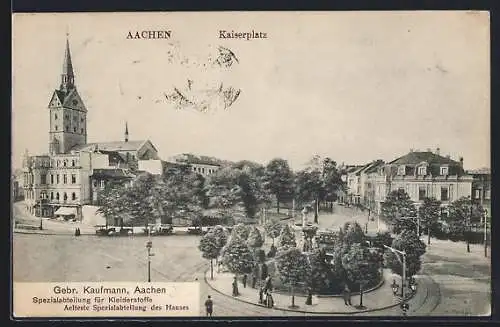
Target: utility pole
<point>468,228</point>
<point>485,233</point>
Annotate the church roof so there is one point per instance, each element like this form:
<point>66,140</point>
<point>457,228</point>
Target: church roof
<point>67,64</point>
<point>111,146</point>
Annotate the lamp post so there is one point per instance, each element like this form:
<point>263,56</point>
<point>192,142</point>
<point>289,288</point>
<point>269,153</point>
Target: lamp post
<point>404,305</point>
<point>468,228</point>
<point>149,245</point>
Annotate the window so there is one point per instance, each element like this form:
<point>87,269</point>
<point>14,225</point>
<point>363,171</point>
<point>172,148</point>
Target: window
<point>65,179</point>
<point>52,195</point>
<point>422,171</point>
<point>43,179</point>
<point>57,196</point>
<point>203,170</point>
<point>56,128</point>
<point>477,194</point>
<point>73,163</point>
<point>58,163</point>
<point>81,120</point>
<point>67,128</point>
<point>401,189</point>
<point>51,179</point>
<point>421,193</point>
<point>95,183</point>
<point>81,131</point>
<point>65,196</point>
<point>74,129</point>
<point>73,179</point>
<point>102,183</point>
<point>55,116</point>
<point>443,170</point>
<point>402,170</point>
<point>73,196</point>
<point>65,163</point>
<point>57,178</point>
<point>444,194</point>
<point>67,117</point>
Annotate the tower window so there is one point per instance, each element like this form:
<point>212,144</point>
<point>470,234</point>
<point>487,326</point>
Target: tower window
<point>55,116</point>
<point>74,129</point>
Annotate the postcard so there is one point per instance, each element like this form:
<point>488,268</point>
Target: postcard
<point>251,164</point>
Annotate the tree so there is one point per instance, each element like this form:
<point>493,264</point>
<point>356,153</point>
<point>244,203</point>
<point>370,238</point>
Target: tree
<point>112,203</point>
<point>237,257</point>
<point>273,229</point>
<point>460,215</point>
<point>183,193</point>
<point>240,232</point>
<point>361,267</point>
<point>353,233</point>
<point>429,214</point>
<point>279,180</point>
<point>381,239</point>
<point>410,243</point>
<point>287,237</point>
<point>255,239</point>
<point>323,277</point>
<point>223,191</point>
<point>209,247</point>
<point>309,187</point>
<point>398,204</point>
<point>293,267</point>
<point>143,200</point>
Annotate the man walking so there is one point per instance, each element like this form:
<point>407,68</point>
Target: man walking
<point>209,306</point>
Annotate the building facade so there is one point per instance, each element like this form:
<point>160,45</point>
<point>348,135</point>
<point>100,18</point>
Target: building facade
<point>71,174</point>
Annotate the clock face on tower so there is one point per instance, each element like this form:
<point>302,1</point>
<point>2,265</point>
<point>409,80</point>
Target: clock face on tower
<point>75,102</point>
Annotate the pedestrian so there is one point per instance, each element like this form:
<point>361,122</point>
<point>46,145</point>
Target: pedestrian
<point>269,300</point>
<point>309,297</point>
<point>347,295</point>
<point>261,295</point>
<point>245,280</point>
<point>235,287</point>
<point>254,281</point>
<point>209,304</point>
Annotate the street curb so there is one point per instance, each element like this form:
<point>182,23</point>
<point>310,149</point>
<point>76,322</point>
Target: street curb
<point>304,311</point>
<point>49,233</point>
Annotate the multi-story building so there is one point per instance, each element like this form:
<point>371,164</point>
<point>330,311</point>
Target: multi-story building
<point>424,174</point>
<point>199,164</point>
<point>74,171</point>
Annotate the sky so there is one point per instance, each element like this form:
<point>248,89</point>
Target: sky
<point>353,86</point>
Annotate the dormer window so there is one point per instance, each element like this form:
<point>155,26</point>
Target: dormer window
<point>443,170</point>
<point>402,170</point>
<point>422,170</point>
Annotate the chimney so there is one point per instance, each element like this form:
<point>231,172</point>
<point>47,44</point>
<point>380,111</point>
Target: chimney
<point>437,151</point>
<point>461,159</point>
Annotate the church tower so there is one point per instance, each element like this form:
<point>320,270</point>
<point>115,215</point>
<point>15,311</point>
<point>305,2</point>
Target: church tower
<point>68,115</point>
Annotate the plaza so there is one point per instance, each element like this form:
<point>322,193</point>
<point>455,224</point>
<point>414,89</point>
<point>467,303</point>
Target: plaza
<point>451,282</point>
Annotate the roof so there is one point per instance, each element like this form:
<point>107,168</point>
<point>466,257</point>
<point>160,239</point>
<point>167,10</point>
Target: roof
<point>373,167</point>
<point>480,171</point>
<point>414,158</point>
<point>114,156</point>
<point>67,64</point>
<point>111,173</point>
<point>111,146</point>
<point>200,160</point>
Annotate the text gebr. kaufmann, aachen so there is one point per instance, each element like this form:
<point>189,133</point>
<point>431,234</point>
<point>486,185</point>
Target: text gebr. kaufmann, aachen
<point>223,34</point>
<point>100,298</point>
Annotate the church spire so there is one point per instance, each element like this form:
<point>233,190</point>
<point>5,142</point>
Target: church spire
<point>126,132</point>
<point>67,77</point>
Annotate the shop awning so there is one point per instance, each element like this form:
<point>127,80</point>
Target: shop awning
<point>65,211</point>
